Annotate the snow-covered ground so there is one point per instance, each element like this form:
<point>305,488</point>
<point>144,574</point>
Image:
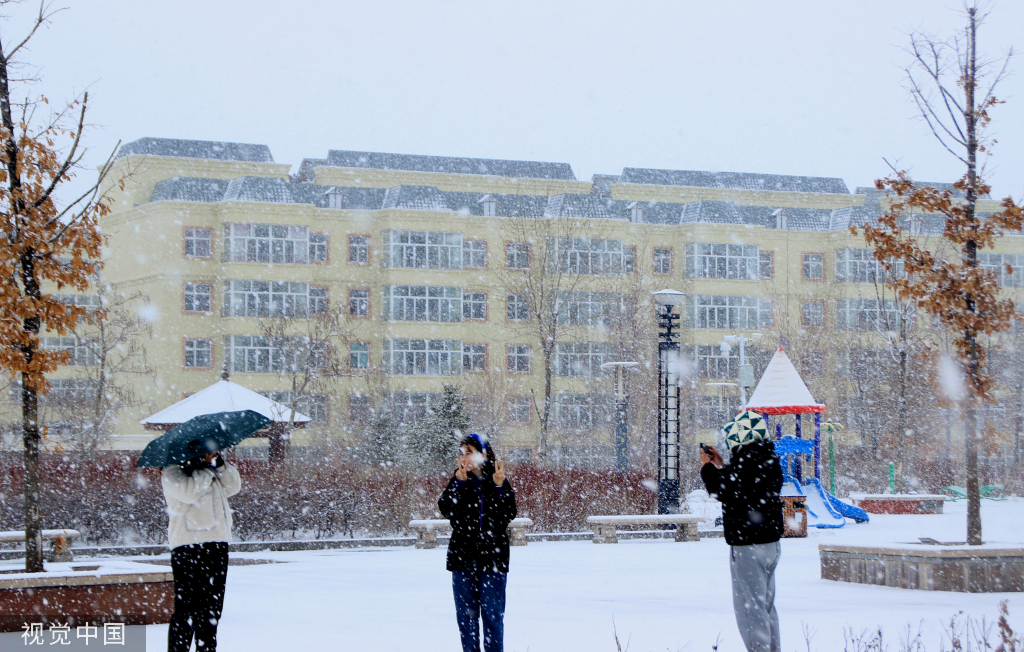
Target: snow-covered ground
<point>661,595</point>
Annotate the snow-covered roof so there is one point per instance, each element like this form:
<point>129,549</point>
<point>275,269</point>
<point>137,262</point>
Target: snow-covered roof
<point>734,180</point>
<point>222,396</point>
<point>781,390</point>
<point>450,164</point>
<point>201,149</point>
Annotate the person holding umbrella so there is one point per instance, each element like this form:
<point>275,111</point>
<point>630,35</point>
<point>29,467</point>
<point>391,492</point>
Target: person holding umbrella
<point>197,483</point>
<point>479,503</point>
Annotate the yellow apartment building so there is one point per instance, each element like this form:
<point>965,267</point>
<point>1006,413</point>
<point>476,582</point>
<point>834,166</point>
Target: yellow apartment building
<point>420,252</point>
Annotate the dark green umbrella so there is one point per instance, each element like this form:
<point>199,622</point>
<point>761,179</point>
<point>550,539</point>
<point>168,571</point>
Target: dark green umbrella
<point>201,435</point>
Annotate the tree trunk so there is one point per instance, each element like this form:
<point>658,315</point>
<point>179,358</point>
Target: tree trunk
<point>546,418</point>
<point>33,519</point>
<point>901,425</point>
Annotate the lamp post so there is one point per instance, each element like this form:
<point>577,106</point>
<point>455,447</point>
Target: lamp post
<point>621,426</point>
<point>668,400</point>
<point>746,371</point>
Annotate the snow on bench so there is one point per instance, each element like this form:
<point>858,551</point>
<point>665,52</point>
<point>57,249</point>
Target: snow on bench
<point>604,526</point>
<point>61,550</point>
<point>426,531</point>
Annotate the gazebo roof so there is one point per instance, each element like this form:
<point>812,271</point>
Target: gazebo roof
<point>222,396</point>
<point>781,390</point>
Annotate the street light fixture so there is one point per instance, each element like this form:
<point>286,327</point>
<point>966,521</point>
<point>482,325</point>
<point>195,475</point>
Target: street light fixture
<point>621,424</point>
<point>669,368</point>
<point>746,371</point>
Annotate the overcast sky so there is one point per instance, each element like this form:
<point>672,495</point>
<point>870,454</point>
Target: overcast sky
<point>804,88</point>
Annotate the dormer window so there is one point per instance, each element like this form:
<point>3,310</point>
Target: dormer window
<point>781,221</point>
<point>335,198</point>
<point>636,212</point>
<point>489,205</point>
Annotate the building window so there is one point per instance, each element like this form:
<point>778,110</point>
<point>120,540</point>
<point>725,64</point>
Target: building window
<point>519,409</point>
<point>198,243</point>
<point>517,255</point>
<point>866,315</point>
<point>335,199</point>
<point>996,263</point>
<point>585,308</point>
<point>474,357</point>
<point>256,354</point>
<point>715,365</point>
<point>721,260</point>
<point>412,357</point>
<point>358,408</point>
<point>489,206</point>
<point>590,256</point>
<point>580,411</point>
<point>314,406</point>
<point>727,312</point>
<point>359,302</point>
<point>580,359</point>
<point>814,267</point>
<point>422,249</point>
<point>813,314</point>
<point>67,392</point>
<point>422,303</point>
<point>272,299</point>
<point>82,351</point>
<point>474,305</point>
<point>197,297</point>
<point>87,301</point>
<point>317,301</point>
<point>766,264</point>
<point>636,212</point>
<point>474,254</point>
<point>715,409</point>
<point>359,355</point>
<point>358,250</point>
<point>518,358</point>
<point>518,308</point>
<point>318,247</point>
<point>859,266</point>
<point>266,243</point>
<point>198,354</point>
<point>662,261</point>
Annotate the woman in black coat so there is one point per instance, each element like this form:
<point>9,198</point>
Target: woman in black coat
<point>480,504</point>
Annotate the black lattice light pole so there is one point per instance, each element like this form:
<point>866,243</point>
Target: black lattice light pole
<point>669,364</point>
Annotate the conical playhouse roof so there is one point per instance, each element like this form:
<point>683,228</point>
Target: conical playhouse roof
<point>222,396</point>
<point>781,390</point>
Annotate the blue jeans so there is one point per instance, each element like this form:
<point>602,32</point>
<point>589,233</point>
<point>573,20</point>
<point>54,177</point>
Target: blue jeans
<point>480,595</point>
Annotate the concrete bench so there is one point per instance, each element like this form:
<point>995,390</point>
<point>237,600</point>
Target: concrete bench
<point>605,526</point>
<point>61,540</point>
<point>426,531</point>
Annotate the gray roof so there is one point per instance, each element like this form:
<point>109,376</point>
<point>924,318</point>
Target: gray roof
<point>201,149</point>
<point>734,180</point>
<point>450,164</point>
<point>189,189</point>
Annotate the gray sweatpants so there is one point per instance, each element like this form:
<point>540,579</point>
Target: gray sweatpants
<point>753,594</point>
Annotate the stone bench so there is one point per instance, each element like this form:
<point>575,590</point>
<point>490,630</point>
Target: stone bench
<point>61,539</point>
<point>605,526</point>
<point>898,504</point>
<point>426,531</point>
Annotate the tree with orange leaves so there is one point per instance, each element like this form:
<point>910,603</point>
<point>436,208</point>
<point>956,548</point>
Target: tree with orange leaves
<point>946,280</point>
<point>46,245</point>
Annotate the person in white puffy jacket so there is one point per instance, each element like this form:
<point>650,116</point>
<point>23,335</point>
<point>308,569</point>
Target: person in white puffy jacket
<point>198,532</point>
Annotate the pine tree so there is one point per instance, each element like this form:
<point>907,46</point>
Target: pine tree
<point>434,441</point>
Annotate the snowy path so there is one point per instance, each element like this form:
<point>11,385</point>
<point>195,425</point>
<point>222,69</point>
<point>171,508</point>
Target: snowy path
<point>563,596</point>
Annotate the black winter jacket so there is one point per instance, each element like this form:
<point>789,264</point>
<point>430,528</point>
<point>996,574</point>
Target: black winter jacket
<point>748,488</point>
<point>479,513</point>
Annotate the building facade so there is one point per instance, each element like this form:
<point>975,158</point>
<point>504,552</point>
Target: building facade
<point>427,256</point>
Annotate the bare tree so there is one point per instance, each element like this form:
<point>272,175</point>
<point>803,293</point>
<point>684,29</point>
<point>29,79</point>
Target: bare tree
<point>544,270</point>
<point>310,350</point>
<point>945,80</point>
<point>111,359</point>
<point>45,241</point>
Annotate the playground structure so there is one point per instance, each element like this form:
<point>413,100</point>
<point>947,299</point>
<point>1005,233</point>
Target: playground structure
<point>781,391</point>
